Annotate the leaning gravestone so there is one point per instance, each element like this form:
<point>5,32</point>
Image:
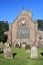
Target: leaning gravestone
<point>34,52</point>
<point>7,51</point>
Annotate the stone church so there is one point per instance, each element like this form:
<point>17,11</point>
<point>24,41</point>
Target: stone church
<point>23,30</point>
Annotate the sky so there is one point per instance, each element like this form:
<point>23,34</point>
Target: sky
<point>10,9</point>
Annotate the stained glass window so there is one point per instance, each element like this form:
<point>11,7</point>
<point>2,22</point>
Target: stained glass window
<point>23,32</point>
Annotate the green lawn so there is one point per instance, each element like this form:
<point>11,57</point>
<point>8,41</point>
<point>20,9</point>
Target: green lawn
<point>22,58</point>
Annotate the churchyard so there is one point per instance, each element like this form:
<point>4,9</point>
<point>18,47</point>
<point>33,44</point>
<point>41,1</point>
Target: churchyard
<point>21,57</point>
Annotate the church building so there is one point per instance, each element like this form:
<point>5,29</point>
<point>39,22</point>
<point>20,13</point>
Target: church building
<point>23,30</point>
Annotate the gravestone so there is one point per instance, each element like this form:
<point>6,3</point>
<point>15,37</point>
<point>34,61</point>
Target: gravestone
<point>23,44</point>
<point>18,45</point>
<point>27,48</point>
<point>7,51</point>
<point>1,46</point>
<point>34,52</point>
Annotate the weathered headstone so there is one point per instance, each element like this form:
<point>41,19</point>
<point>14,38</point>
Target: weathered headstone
<point>27,48</point>
<point>34,52</point>
<point>7,51</point>
<point>1,46</point>
<point>18,45</point>
<point>23,44</point>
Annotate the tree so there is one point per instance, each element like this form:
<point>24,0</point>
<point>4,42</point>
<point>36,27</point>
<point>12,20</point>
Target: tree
<point>40,24</point>
<point>4,26</point>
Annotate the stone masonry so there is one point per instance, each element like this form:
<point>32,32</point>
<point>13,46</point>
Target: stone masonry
<point>26,17</point>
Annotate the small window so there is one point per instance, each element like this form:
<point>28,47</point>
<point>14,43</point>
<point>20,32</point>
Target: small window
<point>40,37</point>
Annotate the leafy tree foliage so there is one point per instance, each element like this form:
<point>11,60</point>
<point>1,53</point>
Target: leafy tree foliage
<point>40,24</point>
<point>4,26</point>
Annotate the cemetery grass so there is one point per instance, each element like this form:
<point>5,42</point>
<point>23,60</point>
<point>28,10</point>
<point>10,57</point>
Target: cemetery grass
<point>22,58</point>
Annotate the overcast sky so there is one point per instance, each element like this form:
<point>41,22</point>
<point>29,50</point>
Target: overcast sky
<point>10,9</point>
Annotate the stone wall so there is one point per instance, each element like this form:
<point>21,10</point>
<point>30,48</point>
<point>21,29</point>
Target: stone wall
<point>12,34</point>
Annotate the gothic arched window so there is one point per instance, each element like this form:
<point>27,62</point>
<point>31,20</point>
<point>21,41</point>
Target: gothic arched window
<point>23,31</point>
